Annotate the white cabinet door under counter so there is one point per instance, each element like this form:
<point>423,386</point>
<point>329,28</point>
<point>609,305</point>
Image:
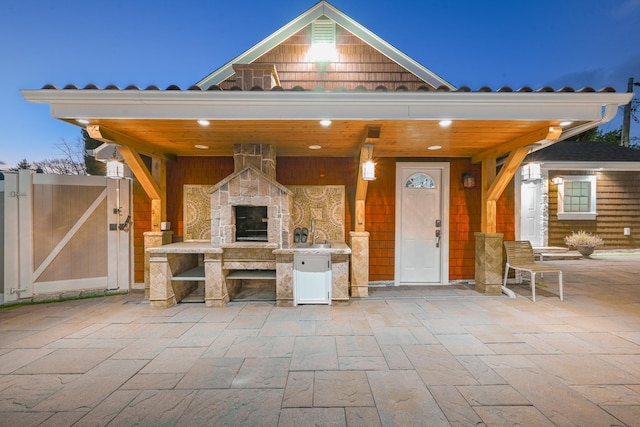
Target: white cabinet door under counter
<point>312,279</point>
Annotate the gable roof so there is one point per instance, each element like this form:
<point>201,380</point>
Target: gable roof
<point>323,9</point>
<point>572,151</point>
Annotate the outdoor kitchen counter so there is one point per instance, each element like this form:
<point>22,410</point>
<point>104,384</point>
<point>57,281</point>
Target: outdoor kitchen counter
<point>173,266</point>
<point>339,253</point>
<point>338,248</point>
<point>185,248</point>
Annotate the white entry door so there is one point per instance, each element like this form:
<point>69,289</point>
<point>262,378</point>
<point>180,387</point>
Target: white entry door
<point>421,224</point>
<point>531,212</point>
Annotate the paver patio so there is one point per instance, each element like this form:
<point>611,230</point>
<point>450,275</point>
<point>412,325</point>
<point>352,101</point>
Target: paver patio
<point>435,356</point>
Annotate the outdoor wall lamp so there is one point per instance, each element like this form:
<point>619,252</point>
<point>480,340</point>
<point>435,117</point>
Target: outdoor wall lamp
<point>531,171</point>
<point>468,180</point>
<point>557,180</point>
<point>368,166</point>
<point>115,167</point>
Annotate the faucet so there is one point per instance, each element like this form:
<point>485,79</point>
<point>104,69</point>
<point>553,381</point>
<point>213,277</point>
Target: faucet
<point>313,232</point>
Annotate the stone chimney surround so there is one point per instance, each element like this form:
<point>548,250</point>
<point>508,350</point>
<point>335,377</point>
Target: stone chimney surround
<point>252,184</point>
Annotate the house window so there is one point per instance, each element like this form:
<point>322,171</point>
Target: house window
<point>577,198</point>
<point>420,180</point>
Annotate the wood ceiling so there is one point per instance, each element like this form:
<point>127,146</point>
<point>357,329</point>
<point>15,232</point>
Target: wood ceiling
<point>292,138</point>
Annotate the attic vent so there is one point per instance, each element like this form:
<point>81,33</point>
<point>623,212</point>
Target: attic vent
<point>323,41</point>
<point>323,31</point>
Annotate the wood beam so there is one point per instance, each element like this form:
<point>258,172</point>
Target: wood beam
<point>140,171</point>
<point>488,208</point>
<point>371,136</point>
<point>494,185</point>
<point>159,206</point>
<point>154,184</point>
<point>508,170</point>
<point>104,134</point>
<point>551,133</point>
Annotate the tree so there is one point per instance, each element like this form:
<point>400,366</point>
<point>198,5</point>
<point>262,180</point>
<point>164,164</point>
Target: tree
<point>70,163</point>
<point>23,164</point>
<point>596,135</point>
<point>93,166</point>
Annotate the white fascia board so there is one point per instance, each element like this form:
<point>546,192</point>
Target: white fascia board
<point>253,105</point>
<point>590,166</point>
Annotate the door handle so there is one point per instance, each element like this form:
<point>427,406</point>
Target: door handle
<point>437,238</point>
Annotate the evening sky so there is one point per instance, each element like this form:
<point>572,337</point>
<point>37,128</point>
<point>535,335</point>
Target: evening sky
<point>475,43</point>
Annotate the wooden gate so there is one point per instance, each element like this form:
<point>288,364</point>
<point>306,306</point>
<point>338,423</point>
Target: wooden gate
<point>64,234</point>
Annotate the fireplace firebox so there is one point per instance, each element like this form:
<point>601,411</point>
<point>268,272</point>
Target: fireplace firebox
<point>251,224</point>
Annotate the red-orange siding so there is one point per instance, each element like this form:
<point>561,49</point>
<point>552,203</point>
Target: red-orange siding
<point>464,218</point>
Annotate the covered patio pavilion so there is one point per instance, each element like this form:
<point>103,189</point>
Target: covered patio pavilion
<point>444,357</point>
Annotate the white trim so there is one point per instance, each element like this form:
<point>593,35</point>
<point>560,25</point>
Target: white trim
<point>577,216</point>
<point>11,243</point>
<point>592,214</point>
<point>591,166</point>
<point>445,183</point>
<point>73,180</point>
<point>69,285</point>
<point>317,11</point>
<point>293,105</point>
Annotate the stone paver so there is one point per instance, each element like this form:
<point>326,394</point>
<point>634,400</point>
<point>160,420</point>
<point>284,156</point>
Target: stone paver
<point>432,356</point>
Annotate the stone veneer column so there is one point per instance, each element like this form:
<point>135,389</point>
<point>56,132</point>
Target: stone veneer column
<point>284,279</point>
<point>339,278</point>
<point>215,285</point>
<point>153,239</point>
<point>359,263</point>
<point>489,263</point>
<point>161,291</point>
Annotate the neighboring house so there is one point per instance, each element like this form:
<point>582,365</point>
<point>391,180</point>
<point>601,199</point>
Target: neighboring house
<point>438,208</point>
<point>571,186</point>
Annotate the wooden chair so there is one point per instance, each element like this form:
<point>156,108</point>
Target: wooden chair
<point>520,257</point>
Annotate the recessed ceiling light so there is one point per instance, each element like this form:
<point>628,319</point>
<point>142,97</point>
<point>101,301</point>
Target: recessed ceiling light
<point>315,147</point>
<point>325,123</point>
<point>434,147</point>
<point>201,147</point>
<point>445,123</point>
<point>565,123</point>
<point>83,121</point>
<point>203,122</point>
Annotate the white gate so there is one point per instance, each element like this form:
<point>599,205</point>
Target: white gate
<point>64,233</point>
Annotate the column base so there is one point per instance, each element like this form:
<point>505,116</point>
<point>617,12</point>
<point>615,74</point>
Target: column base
<point>160,303</point>
<point>489,263</point>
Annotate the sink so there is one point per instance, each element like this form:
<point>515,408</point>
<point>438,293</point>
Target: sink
<point>313,246</point>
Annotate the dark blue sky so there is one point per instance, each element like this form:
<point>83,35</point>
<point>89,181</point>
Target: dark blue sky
<point>467,42</point>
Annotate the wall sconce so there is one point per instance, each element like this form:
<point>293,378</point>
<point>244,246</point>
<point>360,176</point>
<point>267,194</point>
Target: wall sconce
<point>468,180</point>
<point>368,166</point>
<point>115,167</point>
<point>531,171</point>
<point>557,180</point>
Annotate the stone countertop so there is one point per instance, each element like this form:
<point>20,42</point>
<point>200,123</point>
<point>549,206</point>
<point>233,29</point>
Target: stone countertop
<point>205,247</point>
<point>185,248</point>
<point>336,248</point>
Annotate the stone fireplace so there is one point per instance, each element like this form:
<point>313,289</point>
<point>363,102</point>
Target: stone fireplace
<point>251,194</point>
<point>251,223</point>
